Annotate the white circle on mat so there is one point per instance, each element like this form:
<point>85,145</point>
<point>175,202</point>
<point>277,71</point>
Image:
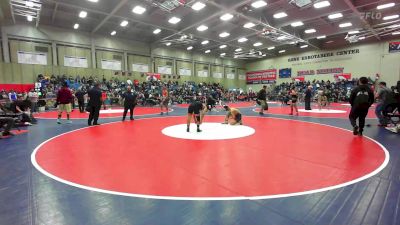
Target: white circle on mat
<point>210,131</point>
<point>325,111</point>
<point>107,111</point>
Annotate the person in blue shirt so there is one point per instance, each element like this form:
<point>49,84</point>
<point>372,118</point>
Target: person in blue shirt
<point>12,96</point>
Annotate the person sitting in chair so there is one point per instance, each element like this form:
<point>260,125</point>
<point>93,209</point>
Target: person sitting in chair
<point>6,122</point>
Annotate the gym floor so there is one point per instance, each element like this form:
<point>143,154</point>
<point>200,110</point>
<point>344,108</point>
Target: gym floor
<point>279,170</point>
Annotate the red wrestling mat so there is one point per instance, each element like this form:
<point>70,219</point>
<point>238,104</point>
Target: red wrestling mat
<point>341,113</point>
<point>109,113</point>
<point>282,158</point>
<point>234,105</point>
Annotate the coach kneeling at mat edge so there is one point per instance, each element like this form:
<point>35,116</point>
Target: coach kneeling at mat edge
<point>233,116</point>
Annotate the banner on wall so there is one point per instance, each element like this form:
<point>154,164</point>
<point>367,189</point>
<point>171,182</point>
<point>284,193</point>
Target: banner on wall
<point>261,77</point>
<point>165,70</point>
<point>202,73</point>
<point>230,76</point>
<point>285,73</point>
<point>73,61</point>
<point>242,77</point>
<point>299,79</point>
<point>320,71</point>
<point>185,72</point>
<point>143,68</point>
<point>35,58</point>
<point>111,64</point>
<point>342,76</point>
<point>394,47</point>
<point>153,76</point>
<point>217,75</point>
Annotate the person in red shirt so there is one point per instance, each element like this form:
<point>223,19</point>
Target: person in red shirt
<point>164,100</point>
<point>104,98</point>
<point>64,99</point>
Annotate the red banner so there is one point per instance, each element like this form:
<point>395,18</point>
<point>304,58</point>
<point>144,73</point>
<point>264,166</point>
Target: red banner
<point>17,87</point>
<point>342,76</point>
<point>153,76</point>
<point>261,77</point>
<point>299,79</point>
<point>394,47</point>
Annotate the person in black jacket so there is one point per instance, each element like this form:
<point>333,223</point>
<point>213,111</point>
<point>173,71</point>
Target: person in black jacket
<point>262,99</point>
<point>130,101</point>
<point>94,104</point>
<point>361,98</point>
<point>307,98</point>
<point>81,101</point>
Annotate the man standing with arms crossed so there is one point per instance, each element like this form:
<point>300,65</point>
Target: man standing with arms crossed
<point>129,102</point>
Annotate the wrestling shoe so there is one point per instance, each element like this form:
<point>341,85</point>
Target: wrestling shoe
<point>58,121</point>
<point>198,130</point>
<point>355,130</point>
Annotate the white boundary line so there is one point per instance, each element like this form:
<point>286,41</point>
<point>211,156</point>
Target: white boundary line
<point>347,113</point>
<point>113,117</point>
<point>373,173</point>
<point>241,107</point>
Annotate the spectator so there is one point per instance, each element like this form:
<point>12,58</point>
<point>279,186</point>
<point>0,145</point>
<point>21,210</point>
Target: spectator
<point>64,99</point>
<point>80,95</point>
<point>12,96</point>
<point>381,96</point>
<point>262,98</point>
<point>34,98</point>
<point>307,98</point>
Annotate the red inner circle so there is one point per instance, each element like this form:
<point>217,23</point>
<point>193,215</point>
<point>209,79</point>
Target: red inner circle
<point>282,157</point>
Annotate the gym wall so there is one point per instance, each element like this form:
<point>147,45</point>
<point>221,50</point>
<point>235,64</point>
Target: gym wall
<point>371,59</point>
<point>58,43</point>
